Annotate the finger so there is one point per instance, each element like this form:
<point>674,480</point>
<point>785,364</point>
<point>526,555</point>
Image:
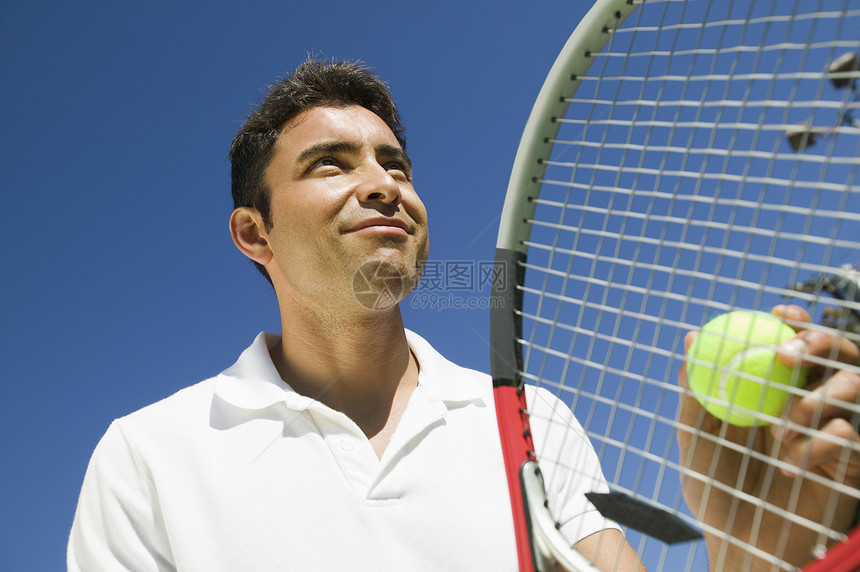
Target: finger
<point>794,349</point>
<point>691,411</point>
<point>835,450</point>
<point>818,349</point>
<point>811,342</point>
<point>682,373</point>
<point>692,416</point>
<point>794,316</point>
<point>835,398</point>
<point>688,340</point>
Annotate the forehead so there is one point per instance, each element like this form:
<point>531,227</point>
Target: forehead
<point>327,123</point>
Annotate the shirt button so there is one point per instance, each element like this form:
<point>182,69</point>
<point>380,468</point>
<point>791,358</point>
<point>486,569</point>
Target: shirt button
<point>347,444</point>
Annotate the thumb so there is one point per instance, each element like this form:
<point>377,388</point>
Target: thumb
<point>692,416</point>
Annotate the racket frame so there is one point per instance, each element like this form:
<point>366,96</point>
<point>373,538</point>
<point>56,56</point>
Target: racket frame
<point>535,530</point>
<point>540,546</point>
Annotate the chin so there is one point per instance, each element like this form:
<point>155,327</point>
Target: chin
<point>380,283</point>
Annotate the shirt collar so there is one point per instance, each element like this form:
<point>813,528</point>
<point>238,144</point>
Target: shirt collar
<point>443,380</point>
<point>253,382</point>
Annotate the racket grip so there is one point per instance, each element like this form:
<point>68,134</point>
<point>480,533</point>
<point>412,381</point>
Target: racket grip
<point>517,448</point>
<point>842,557</point>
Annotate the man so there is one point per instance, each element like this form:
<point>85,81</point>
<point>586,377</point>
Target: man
<point>346,442</point>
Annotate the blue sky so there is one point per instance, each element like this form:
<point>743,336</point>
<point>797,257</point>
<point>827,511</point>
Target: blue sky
<point>120,282</point>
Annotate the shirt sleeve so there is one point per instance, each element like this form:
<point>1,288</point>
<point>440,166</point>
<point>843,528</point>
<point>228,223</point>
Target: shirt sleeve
<point>118,524</point>
<point>569,465</point>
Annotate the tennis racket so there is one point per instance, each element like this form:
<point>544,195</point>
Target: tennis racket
<point>683,159</point>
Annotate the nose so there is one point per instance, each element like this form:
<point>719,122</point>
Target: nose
<point>377,184</point>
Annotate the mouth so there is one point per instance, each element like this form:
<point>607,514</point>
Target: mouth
<point>385,225</point>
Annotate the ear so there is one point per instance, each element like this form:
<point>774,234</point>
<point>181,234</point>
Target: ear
<point>249,234</point>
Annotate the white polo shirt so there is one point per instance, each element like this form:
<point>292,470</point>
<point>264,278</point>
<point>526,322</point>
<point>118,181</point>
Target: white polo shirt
<point>239,473</point>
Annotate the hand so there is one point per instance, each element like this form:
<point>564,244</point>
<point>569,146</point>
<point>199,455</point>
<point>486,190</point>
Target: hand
<point>785,467</point>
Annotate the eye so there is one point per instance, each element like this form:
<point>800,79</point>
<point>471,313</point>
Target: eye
<point>327,164</point>
<point>398,166</point>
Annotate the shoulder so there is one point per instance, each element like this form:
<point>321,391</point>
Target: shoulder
<point>555,428</point>
<point>544,404</point>
<point>187,404</point>
<point>190,410</point>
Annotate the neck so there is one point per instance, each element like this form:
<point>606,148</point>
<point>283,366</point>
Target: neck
<point>360,365</point>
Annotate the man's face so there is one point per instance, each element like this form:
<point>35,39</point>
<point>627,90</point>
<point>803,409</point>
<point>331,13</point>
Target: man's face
<point>342,196</point>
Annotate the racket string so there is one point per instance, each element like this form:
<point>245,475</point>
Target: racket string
<point>668,197</point>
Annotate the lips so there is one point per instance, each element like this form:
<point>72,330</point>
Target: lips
<point>382,224</point>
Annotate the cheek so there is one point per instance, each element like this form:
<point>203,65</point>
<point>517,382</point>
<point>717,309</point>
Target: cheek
<point>422,214</point>
<point>293,229</point>
<point>302,209</point>
<point>414,207</point>
<point>418,214</point>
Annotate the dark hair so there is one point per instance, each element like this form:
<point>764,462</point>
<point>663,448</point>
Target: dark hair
<point>314,83</point>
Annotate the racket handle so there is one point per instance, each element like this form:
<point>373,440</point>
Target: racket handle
<point>517,448</point>
<point>842,557</point>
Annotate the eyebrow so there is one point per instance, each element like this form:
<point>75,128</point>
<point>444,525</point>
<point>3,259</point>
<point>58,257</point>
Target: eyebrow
<point>336,147</point>
<point>394,153</point>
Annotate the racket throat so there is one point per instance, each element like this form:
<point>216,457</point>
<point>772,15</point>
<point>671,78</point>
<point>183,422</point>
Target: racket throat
<point>548,546</point>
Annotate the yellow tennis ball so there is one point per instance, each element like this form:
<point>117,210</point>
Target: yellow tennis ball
<point>733,370</point>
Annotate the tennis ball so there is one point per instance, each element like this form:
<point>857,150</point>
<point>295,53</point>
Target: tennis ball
<point>733,370</point>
